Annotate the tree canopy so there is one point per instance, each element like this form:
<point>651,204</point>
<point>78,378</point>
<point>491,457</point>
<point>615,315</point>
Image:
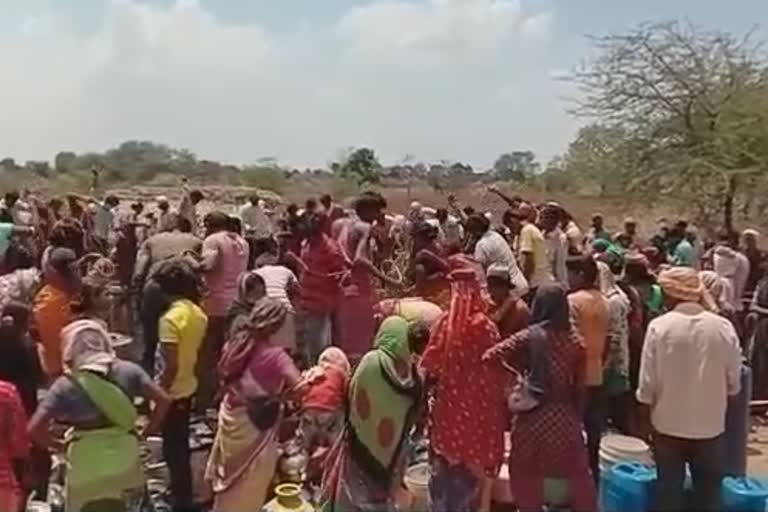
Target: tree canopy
<point>680,112</point>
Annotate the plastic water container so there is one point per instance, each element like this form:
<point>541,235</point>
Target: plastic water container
<point>744,494</point>
<point>737,427</point>
<point>616,448</point>
<point>627,487</point>
<point>417,482</point>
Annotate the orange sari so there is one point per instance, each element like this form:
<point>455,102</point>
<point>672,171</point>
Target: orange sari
<point>51,311</point>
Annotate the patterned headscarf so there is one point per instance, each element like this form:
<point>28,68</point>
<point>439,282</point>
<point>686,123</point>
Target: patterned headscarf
<point>266,318</point>
<point>467,301</point>
<point>382,392</point>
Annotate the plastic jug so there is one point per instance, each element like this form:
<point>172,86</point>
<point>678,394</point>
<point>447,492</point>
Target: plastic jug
<point>737,427</point>
<point>744,494</point>
<point>627,487</point>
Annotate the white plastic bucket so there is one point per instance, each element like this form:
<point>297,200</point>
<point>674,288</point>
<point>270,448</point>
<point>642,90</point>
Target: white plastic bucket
<point>616,448</point>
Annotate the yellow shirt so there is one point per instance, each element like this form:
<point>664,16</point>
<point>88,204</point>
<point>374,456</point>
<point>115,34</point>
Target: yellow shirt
<point>184,325</point>
<point>531,241</point>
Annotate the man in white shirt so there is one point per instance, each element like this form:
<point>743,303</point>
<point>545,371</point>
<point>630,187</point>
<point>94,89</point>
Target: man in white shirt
<point>493,249</point>
<point>550,219</point>
<point>731,265</point>
<point>691,364</point>
<point>282,285</point>
<point>255,219</point>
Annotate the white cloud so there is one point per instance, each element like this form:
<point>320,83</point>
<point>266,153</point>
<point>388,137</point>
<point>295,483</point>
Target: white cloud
<point>460,79</point>
<point>439,25</point>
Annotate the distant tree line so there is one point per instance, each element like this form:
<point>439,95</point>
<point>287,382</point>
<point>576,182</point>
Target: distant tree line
<point>672,111</point>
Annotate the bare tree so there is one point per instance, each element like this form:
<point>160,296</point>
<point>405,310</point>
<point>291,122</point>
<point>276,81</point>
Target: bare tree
<point>684,97</point>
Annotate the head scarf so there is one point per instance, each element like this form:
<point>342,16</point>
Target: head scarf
<point>87,347</point>
<point>469,295</point>
<point>550,308</point>
<point>333,357</point>
<point>382,392</point>
<point>684,284</point>
<point>718,290</point>
<point>607,281</point>
<point>241,307</point>
<point>266,318</point>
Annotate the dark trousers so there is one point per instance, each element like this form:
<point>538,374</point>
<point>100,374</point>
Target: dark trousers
<point>177,455</point>
<point>706,464</point>
<point>153,304</point>
<point>594,424</point>
<point>207,359</point>
<point>618,408</point>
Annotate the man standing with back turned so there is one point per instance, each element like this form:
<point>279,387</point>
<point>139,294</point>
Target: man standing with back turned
<point>691,363</point>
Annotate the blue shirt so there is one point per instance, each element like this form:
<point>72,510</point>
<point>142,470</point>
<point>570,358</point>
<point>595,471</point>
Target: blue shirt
<point>68,404</point>
<point>6,230</point>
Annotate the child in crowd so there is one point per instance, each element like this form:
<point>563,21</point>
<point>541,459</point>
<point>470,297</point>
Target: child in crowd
<point>322,402</point>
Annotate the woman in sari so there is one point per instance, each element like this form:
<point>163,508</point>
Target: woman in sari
<point>469,414</point>
<point>14,449</point>
<point>255,375</point>
<point>547,442</point>
<point>367,463</point>
<point>51,310</point>
<point>250,288</point>
<point>95,398</point>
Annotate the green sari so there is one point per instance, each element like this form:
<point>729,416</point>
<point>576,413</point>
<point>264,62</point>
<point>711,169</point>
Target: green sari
<point>105,471</point>
<point>368,460</point>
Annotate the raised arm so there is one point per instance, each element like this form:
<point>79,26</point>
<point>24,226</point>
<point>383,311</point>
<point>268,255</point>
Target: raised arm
<point>494,190</point>
<point>362,259</point>
<point>210,254</point>
<point>505,348</point>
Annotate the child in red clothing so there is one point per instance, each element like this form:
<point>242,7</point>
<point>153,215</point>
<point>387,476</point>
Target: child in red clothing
<point>322,404</point>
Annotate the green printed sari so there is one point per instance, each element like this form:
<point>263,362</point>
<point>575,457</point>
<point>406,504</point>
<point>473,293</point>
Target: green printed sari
<point>105,472</point>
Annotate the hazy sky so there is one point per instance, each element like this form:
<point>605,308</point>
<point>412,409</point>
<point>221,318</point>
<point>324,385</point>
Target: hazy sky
<point>299,80</point>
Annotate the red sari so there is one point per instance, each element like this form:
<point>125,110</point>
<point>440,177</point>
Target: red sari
<point>469,414</point>
<point>13,446</point>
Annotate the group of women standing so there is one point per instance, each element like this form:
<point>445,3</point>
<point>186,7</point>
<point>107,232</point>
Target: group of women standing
<point>460,386</point>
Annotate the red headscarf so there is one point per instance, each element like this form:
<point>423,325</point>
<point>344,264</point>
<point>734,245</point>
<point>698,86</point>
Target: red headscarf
<point>469,415</point>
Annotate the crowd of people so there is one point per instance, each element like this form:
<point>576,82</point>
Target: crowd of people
<point>529,328</point>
